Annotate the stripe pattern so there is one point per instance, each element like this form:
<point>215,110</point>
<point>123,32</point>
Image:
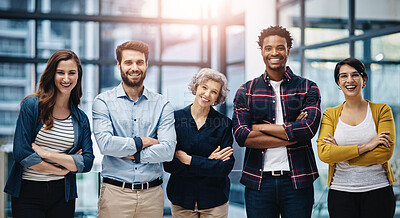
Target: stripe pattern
<point>60,138</point>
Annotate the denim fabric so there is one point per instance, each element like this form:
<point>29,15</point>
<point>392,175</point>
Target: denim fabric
<point>278,197</point>
<point>28,125</point>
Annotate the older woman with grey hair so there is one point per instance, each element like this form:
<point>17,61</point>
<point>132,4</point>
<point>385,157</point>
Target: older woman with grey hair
<point>199,183</point>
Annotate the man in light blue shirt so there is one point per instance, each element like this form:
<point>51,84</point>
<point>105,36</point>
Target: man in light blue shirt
<point>134,129</point>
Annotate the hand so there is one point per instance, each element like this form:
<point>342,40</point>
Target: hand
<point>149,141</point>
<point>183,157</point>
<point>382,138</point>
<point>302,116</point>
<point>330,140</point>
<point>131,157</point>
<point>79,151</point>
<point>40,151</point>
<point>223,154</point>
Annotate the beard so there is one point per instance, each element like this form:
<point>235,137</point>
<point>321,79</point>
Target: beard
<point>133,83</point>
<point>280,67</point>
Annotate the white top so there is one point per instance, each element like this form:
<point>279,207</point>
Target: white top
<point>277,158</point>
<point>60,138</point>
<point>357,178</point>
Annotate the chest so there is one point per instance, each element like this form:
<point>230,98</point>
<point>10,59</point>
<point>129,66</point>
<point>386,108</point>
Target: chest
<point>201,141</point>
<point>263,100</point>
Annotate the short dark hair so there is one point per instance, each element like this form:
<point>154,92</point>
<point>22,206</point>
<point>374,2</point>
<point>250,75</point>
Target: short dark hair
<point>132,45</point>
<point>353,62</point>
<point>275,31</point>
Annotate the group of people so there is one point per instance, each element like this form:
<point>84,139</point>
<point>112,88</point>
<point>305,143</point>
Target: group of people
<point>140,135</point>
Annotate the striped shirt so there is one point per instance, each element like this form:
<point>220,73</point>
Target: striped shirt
<point>255,104</point>
<point>60,138</point>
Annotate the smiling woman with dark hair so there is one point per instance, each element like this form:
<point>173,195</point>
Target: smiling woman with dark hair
<point>357,140</point>
<point>52,142</point>
<point>199,183</point>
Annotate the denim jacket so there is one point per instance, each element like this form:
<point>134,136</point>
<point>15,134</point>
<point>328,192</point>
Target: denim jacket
<point>28,126</point>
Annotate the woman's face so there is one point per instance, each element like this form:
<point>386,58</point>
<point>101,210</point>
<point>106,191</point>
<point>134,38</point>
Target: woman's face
<point>66,76</point>
<point>207,93</point>
<point>350,81</point>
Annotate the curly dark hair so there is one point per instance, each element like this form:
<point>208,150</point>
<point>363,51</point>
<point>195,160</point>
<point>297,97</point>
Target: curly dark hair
<point>275,31</point>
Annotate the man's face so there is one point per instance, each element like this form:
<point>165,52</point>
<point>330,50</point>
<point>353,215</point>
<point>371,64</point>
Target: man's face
<point>133,67</point>
<point>275,52</point>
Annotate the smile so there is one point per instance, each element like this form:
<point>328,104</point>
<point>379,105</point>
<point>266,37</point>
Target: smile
<point>65,84</point>
<point>350,87</point>
<point>204,99</point>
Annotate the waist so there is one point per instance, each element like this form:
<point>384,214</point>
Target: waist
<point>276,173</point>
<point>134,186</point>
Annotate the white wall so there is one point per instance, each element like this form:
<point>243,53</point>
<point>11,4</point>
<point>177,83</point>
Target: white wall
<point>259,14</point>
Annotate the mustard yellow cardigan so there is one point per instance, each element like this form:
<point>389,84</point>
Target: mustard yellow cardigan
<point>332,154</point>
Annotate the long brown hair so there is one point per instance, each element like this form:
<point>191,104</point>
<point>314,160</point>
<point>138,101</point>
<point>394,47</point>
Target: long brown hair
<point>47,90</point>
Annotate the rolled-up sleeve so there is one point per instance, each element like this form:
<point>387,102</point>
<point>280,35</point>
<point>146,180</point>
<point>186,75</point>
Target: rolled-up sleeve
<point>165,150</point>
<point>306,129</point>
<point>108,143</point>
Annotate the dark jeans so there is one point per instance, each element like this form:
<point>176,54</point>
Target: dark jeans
<point>42,200</point>
<point>376,203</point>
<point>278,197</point>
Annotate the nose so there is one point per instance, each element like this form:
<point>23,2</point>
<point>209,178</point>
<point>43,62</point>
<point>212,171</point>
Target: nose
<point>134,67</point>
<point>274,51</point>
<point>66,77</point>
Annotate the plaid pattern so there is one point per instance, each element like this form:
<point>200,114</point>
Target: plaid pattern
<point>255,104</point>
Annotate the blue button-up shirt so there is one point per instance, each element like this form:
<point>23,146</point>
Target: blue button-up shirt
<point>118,120</point>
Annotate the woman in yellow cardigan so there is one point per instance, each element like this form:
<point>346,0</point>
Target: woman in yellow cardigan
<point>357,140</point>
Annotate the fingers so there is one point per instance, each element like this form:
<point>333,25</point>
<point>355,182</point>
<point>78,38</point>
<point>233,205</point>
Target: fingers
<point>224,154</point>
<point>302,116</point>
<point>79,151</point>
<point>217,149</point>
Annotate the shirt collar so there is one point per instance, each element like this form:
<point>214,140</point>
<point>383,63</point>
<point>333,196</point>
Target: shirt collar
<point>287,76</point>
<point>211,114</point>
<point>121,92</point>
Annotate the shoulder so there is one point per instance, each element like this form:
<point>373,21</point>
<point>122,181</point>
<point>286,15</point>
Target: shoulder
<point>30,103</point>
<point>379,108</point>
<point>224,121</point>
<point>106,95</point>
<point>156,97</point>
<point>302,81</point>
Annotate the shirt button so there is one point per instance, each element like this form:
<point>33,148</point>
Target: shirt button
<point>273,118</point>
<point>260,170</point>
<point>134,119</point>
<point>273,101</point>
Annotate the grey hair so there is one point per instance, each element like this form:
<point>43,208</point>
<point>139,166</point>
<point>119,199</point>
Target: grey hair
<point>206,74</point>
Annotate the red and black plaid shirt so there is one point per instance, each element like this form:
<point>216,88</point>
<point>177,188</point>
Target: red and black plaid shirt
<point>255,104</point>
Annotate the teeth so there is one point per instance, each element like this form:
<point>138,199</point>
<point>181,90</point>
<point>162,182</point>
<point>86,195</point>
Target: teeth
<point>274,59</point>
<point>350,87</point>
<point>66,85</point>
<point>205,99</point>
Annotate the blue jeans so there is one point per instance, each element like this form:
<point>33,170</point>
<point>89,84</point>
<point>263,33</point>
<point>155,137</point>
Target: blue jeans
<point>278,197</point>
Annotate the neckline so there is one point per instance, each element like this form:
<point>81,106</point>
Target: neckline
<point>362,122</point>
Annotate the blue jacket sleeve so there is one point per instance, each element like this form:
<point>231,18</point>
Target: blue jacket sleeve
<point>84,161</point>
<point>25,132</point>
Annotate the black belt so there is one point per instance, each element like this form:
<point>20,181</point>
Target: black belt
<point>276,173</point>
<point>133,186</point>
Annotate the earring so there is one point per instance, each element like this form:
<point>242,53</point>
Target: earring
<point>339,88</point>
<point>363,85</point>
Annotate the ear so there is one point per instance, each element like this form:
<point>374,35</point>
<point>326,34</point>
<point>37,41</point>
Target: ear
<point>118,65</point>
<point>288,51</point>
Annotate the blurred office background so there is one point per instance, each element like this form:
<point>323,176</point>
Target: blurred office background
<point>184,36</point>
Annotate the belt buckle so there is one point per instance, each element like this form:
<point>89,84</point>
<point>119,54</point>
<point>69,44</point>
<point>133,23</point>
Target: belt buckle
<point>279,173</point>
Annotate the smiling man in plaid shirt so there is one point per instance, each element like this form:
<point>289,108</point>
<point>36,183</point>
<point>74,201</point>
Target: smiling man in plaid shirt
<point>275,117</point>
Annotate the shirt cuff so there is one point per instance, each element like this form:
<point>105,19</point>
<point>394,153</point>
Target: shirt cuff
<point>139,147</point>
<point>288,131</point>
